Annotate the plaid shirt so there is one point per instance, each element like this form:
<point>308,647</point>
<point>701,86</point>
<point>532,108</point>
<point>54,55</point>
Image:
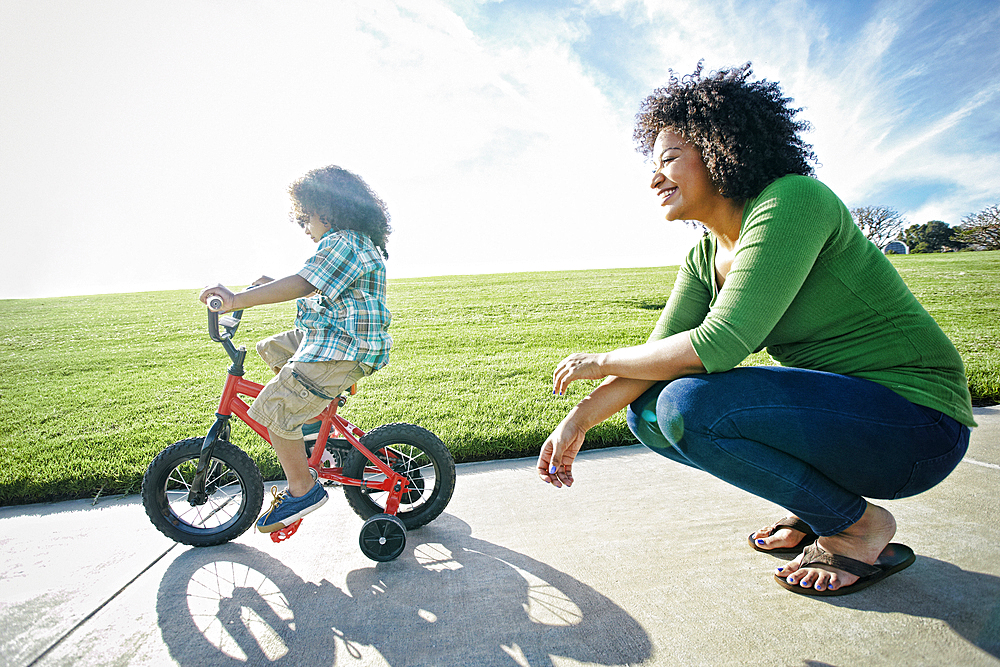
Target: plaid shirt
<point>346,319</point>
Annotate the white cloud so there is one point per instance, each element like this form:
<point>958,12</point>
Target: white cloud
<point>157,140</point>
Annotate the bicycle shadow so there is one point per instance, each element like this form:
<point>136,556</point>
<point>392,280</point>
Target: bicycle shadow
<point>449,599</point>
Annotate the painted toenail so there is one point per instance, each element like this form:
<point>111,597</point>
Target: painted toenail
<point>760,541</point>
<point>781,569</point>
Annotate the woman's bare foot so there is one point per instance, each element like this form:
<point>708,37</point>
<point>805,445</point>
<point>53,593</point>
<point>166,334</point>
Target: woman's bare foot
<point>863,541</point>
<point>783,538</point>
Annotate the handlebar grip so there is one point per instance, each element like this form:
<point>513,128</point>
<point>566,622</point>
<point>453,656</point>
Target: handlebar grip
<point>214,303</point>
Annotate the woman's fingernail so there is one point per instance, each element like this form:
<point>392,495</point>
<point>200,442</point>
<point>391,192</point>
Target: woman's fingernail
<point>552,470</point>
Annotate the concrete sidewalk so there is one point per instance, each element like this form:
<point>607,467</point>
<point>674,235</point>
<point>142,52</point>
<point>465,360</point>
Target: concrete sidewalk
<point>641,562</point>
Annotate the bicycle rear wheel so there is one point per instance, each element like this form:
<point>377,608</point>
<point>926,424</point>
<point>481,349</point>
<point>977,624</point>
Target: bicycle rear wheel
<point>234,487</point>
<point>413,452</point>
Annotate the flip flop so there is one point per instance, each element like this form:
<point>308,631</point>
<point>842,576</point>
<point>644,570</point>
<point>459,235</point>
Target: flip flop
<point>795,549</point>
<point>894,557</point>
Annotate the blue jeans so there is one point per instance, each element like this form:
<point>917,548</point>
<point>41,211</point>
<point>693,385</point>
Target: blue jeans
<point>815,443</point>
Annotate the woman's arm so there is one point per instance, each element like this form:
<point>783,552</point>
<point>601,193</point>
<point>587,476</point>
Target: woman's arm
<point>555,461</point>
<point>632,371</point>
<point>666,359</point>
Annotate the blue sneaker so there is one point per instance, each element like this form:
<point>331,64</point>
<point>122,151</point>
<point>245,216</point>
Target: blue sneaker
<point>286,509</point>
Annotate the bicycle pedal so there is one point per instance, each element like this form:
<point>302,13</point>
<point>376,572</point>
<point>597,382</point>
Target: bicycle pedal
<point>286,532</point>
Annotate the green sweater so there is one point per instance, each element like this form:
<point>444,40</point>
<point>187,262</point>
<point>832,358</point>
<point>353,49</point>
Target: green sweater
<point>808,287</point>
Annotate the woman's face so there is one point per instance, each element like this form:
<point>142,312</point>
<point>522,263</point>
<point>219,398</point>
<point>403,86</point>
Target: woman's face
<point>681,180</point>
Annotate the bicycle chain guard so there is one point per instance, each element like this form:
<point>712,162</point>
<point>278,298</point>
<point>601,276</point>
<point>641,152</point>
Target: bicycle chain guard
<point>286,532</point>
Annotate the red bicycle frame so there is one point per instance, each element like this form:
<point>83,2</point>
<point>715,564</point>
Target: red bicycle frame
<point>394,484</point>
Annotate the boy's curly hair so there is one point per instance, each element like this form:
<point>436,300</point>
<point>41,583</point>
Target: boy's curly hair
<point>342,200</point>
<point>745,129</point>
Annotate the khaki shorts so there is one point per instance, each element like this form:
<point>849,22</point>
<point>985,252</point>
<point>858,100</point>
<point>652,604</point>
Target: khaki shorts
<point>301,389</point>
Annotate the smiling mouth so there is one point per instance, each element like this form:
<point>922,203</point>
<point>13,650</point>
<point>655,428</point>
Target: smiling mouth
<point>665,195</point>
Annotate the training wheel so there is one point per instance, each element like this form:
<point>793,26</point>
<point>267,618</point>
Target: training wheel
<point>383,537</point>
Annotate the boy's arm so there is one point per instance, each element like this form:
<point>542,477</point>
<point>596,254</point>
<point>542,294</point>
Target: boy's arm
<point>276,291</point>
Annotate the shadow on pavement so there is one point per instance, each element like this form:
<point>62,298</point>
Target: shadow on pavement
<point>969,602</point>
<point>450,599</point>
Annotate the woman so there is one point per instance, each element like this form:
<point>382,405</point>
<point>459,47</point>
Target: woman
<point>871,398</point>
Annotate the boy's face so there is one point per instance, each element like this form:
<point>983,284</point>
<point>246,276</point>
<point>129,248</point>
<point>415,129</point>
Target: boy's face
<point>315,228</point>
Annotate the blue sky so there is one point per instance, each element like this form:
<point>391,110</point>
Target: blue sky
<point>147,145</point>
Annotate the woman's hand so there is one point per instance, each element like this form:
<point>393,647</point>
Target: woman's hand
<point>220,291</point>
<point>555,461</point>
<point>577,366</point>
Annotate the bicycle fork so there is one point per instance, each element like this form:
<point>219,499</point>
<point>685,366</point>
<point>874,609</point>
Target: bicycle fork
<point>197,494</point>
<point>220,430</point>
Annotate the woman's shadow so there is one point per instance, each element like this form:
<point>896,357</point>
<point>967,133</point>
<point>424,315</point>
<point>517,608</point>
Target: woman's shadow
<point>450,599</point>
<point>969,602</point>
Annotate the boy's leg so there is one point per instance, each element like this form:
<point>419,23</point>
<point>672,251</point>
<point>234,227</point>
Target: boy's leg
<point>298,393</point>
<point>292,398</point>
<point>279,348</point>
<point>276,351</point>
<point>292,457</point>
<point>282,406</point>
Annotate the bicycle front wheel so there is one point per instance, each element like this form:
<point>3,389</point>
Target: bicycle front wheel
<point>234,486</point>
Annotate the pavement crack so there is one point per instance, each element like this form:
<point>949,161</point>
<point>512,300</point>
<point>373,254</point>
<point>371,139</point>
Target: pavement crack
<point>101,606</point>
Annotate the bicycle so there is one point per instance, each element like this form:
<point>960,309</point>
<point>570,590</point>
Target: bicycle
<point>206,491</point>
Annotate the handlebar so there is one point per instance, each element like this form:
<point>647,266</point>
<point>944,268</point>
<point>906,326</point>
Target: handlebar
<point>230,323</point>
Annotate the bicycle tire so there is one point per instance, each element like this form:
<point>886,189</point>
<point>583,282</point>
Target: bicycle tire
<point>234,486</point>
<point>413,452</point>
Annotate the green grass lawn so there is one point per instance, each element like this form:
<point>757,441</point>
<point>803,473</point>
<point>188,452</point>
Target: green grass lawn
<point>93,387</point>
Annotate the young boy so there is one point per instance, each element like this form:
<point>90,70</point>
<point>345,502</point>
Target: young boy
<point>340,330</point>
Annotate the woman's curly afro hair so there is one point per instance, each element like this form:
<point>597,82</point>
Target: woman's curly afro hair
<point>745,129</point>
<point>342,200</point>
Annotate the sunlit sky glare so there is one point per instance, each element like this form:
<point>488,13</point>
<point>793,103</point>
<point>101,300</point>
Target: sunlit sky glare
<point>148,145</point>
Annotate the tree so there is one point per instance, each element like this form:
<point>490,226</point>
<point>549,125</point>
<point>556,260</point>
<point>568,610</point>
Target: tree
<point>933,236</point>
<point>879,224</point>
<point>981,230</point>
